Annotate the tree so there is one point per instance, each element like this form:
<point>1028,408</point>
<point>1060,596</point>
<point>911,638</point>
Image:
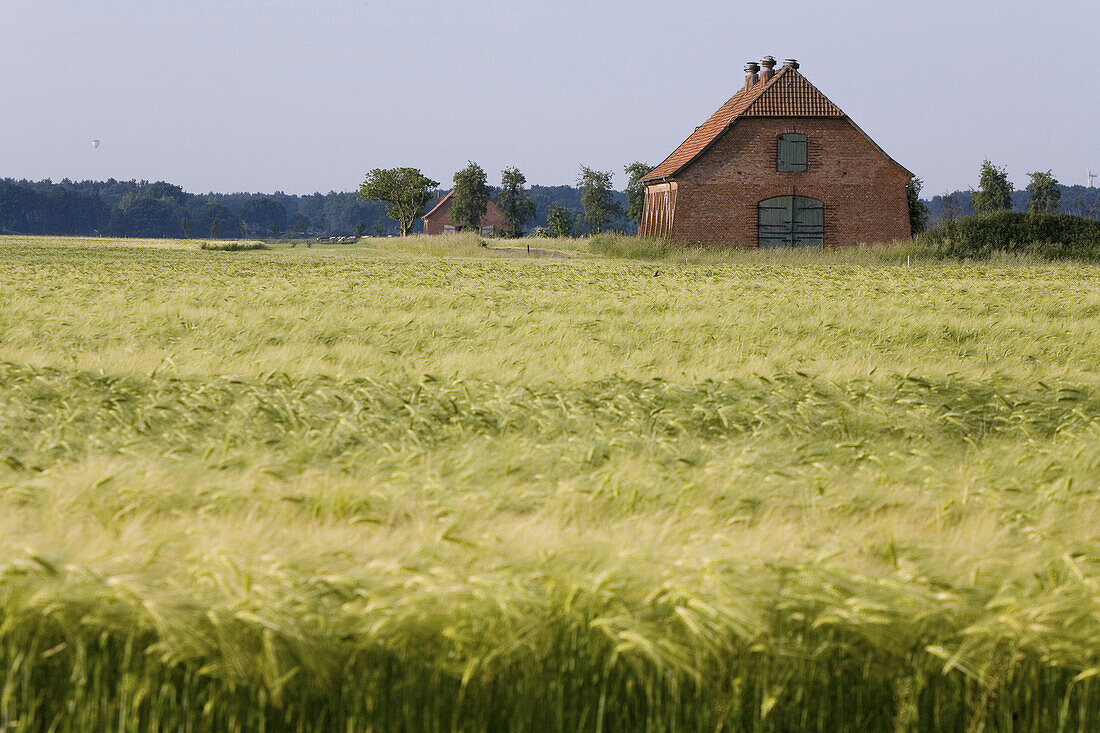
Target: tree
<point>165,190</point>
<point>140,215</point>
<point>635,190</point>
<point>210,216</point>
<point>518,208</point>
<point>242,228</point>
<point>560,220</point>
<point>471,196</point>
<point>596,197</point>
<point>994,190</point>
<point>918,210</point>
<point>360,228</point>
<point>1046,194</point>
<point>264,212</point>
<point>186,224</point>
<point>406,190</point>
<point>950,209</point>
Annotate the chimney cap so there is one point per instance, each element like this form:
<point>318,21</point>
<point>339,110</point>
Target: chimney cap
<point>768,62</point>
<point>752,66</point>
<point>790,63</point>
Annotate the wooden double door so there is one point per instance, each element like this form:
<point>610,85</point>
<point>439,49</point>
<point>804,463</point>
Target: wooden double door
<point>791,221</point>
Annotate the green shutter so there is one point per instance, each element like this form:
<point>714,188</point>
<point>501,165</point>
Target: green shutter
<point>798,151</point>
<point>791,153</point>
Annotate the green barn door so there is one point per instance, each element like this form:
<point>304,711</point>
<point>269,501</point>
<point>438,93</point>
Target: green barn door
<point>791,221</point>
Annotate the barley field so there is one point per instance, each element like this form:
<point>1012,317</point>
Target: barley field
<point>424,486</point>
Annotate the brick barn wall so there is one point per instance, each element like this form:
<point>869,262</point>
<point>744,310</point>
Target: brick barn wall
<point>863,191</point>
<point>435,223</point>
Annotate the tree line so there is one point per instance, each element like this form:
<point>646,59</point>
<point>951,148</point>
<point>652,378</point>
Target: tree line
<point>1044,194</point>
<point>161,209</point>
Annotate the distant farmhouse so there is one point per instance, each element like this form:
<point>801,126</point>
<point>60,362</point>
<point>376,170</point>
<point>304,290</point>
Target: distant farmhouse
<point>777,165</point>
<point>438,220</point>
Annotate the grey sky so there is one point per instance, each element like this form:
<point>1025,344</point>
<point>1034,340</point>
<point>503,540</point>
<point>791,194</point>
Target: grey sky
<point>306,96</point>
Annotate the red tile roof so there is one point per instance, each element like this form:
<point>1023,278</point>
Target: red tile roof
<point>787,94</point>
<point>442,201</point>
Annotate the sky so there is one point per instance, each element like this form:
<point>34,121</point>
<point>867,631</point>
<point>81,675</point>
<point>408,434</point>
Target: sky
<point>298,96</point>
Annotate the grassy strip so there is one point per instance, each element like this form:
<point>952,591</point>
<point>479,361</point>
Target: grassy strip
<point>654,249</point>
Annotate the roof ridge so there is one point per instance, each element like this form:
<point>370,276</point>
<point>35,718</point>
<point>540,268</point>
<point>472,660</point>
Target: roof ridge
<point>440,202</point>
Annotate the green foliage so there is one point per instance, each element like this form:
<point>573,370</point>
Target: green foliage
<point>951,208</point>
<point>518,208</point>
<point>613,244</point>
<point>232,246</point>
<point>186,225</point>
<point>1045,236</point>
<point>141,214</point>
<point>211,216</point>
<point>994,190</point>
<point>471,197</point>
<point>596,198</point>
<point>560,221</point>
<point>406,190</point>
<point>360,228</point>
<point>635,190</point>
<point>264,213</point>
<point>918,210</point>
<point>1046,194</point>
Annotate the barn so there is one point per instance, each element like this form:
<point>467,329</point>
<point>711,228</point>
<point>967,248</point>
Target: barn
<point>778,165</point>
<point>438,220</point>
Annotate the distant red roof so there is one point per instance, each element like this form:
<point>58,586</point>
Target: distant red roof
<point>787,94</point>
<point>441,201</point>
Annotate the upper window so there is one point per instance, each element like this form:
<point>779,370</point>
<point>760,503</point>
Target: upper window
<point>792,153</point>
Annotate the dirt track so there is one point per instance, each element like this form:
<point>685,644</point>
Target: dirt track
<point>554,254</point>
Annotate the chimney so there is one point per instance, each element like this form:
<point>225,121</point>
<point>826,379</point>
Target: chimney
<point>790,64</point>
<point>769,69</point>
<point>751,74</point>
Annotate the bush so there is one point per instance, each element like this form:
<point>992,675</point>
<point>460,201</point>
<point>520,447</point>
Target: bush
<point>1047,236</point>
<point>234,246</point>
<point>613,244</point>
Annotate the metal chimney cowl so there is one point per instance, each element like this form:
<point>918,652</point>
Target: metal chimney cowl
<point>768,72</point>
<point>752,75</point>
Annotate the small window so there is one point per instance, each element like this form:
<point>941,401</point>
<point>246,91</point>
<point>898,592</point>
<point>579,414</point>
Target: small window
<point>792,153</point>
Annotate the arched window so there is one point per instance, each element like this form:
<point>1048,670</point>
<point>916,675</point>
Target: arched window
<point>791,153</point>
<point>790,221</point>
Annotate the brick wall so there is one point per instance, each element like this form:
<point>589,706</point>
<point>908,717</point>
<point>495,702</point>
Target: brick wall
<point>863,191</point>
